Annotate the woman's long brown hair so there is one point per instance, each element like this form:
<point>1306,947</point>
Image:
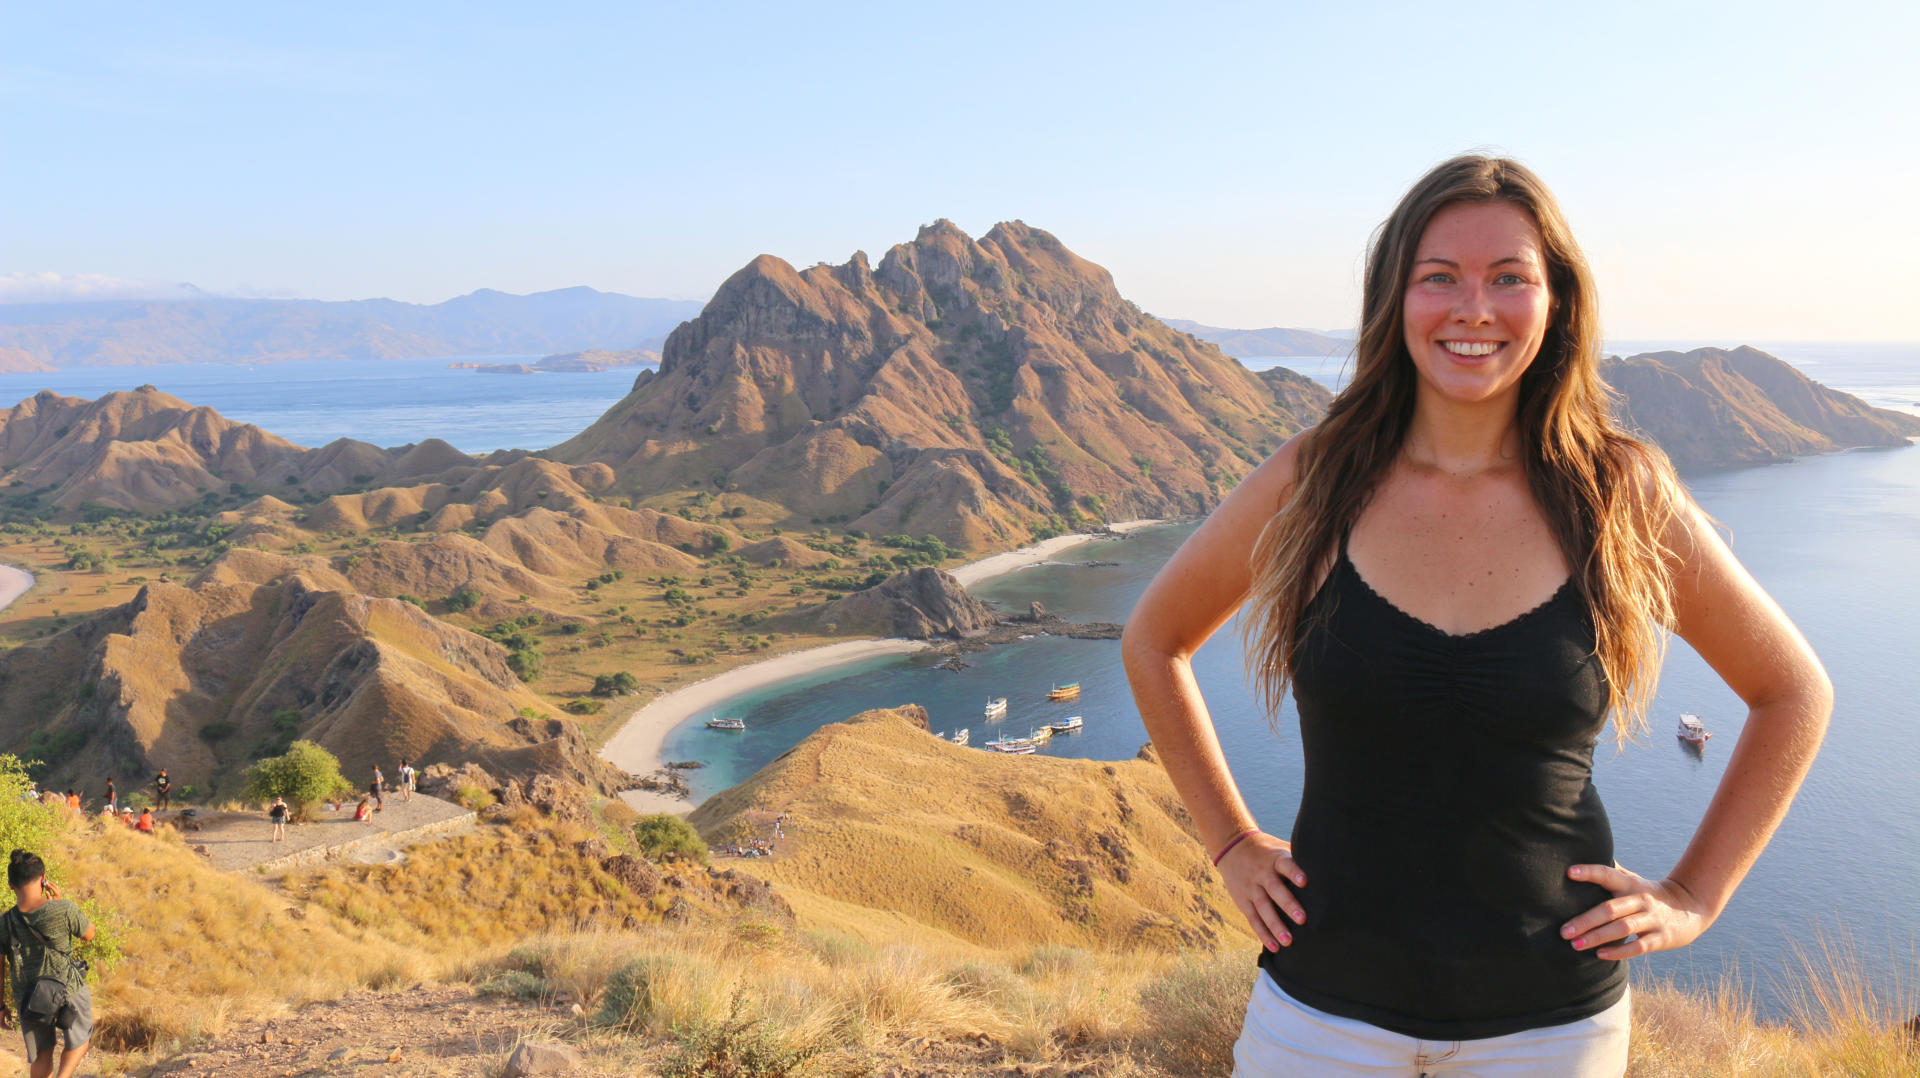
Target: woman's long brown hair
<point>1608,497</point>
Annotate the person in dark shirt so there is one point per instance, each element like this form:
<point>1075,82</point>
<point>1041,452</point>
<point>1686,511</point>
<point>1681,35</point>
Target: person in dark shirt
<point>1461,573</point>
<point>278,814</point>
<point>113,801</point>
<point>162,790</point>
<point>36,941</point>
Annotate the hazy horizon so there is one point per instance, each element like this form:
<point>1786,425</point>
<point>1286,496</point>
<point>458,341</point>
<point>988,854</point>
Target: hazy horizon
<point>1729,178</point>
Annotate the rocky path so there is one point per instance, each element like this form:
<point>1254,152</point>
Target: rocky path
<point>237,842</point>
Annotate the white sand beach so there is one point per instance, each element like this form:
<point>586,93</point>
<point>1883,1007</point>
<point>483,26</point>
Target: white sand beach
<point>636,747</point>
<point>13,584</point>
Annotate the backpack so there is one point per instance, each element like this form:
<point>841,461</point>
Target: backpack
<point>48,997</point>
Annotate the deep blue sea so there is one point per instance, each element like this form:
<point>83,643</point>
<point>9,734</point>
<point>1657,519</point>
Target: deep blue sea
<point>1834,539</point>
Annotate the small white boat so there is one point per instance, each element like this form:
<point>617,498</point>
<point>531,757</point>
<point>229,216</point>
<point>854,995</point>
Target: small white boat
<point>1692,729</point>
<point>1066,725</point>
<point>997,709</point>
<point>959,736</point>
<point>726,724</point>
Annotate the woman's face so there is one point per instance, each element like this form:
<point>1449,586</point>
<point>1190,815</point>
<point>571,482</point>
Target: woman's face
<point>1477,303</point>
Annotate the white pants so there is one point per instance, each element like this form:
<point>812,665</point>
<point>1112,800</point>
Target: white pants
<point>1284,1037</point>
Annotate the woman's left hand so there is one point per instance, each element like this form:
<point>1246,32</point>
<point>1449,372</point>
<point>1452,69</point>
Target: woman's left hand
<point>1660,915</point>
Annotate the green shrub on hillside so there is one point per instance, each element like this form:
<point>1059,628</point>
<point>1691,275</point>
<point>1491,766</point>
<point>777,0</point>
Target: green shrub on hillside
<point>305,774</point>
<point>662,834</point>
<point>29,825</point>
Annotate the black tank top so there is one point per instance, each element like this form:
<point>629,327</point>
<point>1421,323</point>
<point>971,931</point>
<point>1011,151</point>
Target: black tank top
<point>1448,787</point>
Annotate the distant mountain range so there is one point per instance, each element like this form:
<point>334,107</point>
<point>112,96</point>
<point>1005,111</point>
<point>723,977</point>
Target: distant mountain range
<point>1244,343</point>
<point>113,333</point>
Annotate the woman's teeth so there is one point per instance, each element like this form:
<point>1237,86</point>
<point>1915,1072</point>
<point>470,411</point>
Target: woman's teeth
<point>1472,348</point>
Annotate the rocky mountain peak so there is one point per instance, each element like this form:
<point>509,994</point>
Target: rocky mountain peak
<point>967,389</point>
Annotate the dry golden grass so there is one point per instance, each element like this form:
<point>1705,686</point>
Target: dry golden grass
<point>1005,851</point>
<point>513,909</point>
<point>203,950</point>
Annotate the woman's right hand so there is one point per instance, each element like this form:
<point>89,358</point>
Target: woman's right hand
<point>1256,872</point>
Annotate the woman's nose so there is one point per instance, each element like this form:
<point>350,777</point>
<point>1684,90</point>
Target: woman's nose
<point>1473,306</point>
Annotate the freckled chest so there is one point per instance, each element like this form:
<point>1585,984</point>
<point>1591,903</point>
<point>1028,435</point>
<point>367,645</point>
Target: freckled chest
<point>1459,554</point>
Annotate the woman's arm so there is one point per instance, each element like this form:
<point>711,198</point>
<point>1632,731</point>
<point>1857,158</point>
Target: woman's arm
<point>1748,640</point>
<point>1194,594</point>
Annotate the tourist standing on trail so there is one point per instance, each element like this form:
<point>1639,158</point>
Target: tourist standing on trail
<point>162,789</point>
<point>49,985</point>
<point>406,780</point>
<point>378,789</point>
<point>113,800</point>
<point>278,814</point>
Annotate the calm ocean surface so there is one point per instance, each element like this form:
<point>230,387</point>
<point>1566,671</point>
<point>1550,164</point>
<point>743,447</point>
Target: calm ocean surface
<point>386,402</point>
<point>1834,539</point>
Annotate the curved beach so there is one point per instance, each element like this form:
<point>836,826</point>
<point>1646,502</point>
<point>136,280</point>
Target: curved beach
<point>636,747</point>
<point>14,582</point>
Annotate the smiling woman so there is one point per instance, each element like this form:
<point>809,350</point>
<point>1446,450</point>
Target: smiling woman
<point>1462,573</point>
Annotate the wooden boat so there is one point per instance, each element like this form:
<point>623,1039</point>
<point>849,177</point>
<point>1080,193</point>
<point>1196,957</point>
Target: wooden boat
<point>1065,726</point>
<point>1039,735</point>
<point>959,736</point>
<point>1019,745</point>
<point>1692,729</point>
<point>1069,691</point>
<point>726,724</point>
<point>997,708</point>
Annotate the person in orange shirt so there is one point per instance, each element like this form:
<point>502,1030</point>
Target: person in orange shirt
<point>73,800</point>
<point>145,822</point>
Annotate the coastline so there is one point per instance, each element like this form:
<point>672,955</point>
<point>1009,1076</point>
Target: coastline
<point>14,582</point>
<point>637,746</point>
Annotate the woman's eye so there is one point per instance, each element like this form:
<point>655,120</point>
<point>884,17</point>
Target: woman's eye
<point>1511,278</point>
<point>1437,278</point>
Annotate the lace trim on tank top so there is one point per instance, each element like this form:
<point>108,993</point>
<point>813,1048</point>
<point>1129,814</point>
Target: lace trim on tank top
<point>1346,564</point>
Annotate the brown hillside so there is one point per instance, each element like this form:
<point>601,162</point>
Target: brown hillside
<point>145,451</point>
<point>1004,851</point>
<point>1711,408</point>
<point>966,389</point>
<point>257,635</point>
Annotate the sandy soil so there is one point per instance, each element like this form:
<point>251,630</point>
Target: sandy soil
<point>13,584</point>
<point>637,746</point>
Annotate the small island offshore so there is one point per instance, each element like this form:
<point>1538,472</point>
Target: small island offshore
<point>814,468</point>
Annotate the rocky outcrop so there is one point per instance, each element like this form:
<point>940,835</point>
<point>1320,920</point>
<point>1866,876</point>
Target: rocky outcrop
<point>972,390</point>
<point>1712,408</point>
<point>915,603</point>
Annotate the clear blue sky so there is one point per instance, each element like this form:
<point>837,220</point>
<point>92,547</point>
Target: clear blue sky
<point>1735,171</point>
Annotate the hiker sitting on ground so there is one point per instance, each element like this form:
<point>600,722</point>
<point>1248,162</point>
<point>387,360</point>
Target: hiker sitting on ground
<point>145,822</point>
<point>36,948</point>
<point>278,814</point>
<point>364,812</point>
